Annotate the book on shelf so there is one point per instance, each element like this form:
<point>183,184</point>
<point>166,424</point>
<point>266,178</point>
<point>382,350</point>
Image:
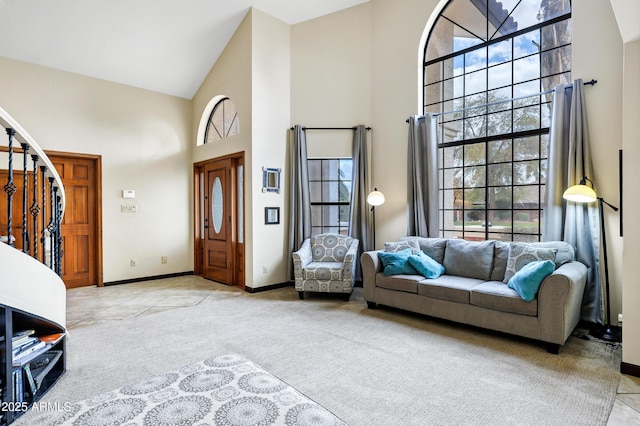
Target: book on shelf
<point>24,345</point>
<point>33,351</point>
<point>32,388</point>
<point>52,339</point>
<point>21,336</point>
<point>17,385</point>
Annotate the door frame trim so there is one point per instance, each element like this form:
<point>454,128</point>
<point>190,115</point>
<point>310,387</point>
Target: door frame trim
<point>97,161</point>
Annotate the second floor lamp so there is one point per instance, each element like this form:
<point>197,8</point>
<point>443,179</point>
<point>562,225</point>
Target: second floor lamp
<point>581,193</point>
<point>375,198</point>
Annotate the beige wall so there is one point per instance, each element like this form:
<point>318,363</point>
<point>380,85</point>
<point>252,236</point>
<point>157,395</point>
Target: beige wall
<point>397,70</point>
<point>271,73</point>
<point>631,254</point>
<point>331,82</point>
<point>598,55</point>
<point>143,138</point>
<point>230,76</point>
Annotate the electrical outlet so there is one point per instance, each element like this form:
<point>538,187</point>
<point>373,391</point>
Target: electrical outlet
<point>132,262</point>
<point>620,318</point>
<point>163,259</point>
<point>264,269</point>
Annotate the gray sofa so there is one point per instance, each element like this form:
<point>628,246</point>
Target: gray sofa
<point>472,291</point>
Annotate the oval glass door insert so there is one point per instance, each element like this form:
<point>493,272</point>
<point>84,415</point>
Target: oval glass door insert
<point>216,205</point>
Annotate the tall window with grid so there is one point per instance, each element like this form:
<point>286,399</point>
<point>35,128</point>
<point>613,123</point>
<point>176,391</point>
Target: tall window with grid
<point>487,66</point>
<point>330,189</point>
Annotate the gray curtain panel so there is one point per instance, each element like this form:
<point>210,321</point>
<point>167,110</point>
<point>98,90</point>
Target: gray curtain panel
<point>359,215</point>
<point>299,196</point>
<point>422,176</point>
<point>569,161</point>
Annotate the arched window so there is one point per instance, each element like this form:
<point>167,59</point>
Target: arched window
<point>222,122</point>
<point>488,64</point>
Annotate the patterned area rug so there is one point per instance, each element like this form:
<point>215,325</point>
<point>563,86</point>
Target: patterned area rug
<point>223,390</point>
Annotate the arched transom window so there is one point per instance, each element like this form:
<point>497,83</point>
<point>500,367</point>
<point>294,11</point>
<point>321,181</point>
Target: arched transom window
<point>487,67</point>
<point>223,121</point>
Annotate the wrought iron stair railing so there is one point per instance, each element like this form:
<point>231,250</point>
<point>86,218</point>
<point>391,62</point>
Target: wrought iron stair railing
<point>40,192</point>
<point>32,293</point>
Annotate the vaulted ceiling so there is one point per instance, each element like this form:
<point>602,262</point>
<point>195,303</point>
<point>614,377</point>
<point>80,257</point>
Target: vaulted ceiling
<point>167,46</point>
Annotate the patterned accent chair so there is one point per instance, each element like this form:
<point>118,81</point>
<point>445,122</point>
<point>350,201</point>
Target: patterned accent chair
<point>326,263</point>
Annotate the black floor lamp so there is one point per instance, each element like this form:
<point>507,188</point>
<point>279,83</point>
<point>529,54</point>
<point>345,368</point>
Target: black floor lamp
<point>581,193</point>
<point>375,198</point>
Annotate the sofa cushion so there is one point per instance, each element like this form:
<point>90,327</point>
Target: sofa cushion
<point>522,253</point>
<point>323,271</point>
<point>425,265</point>
<point>448,287</point>
<point>565,252</point>
<point>392,247</point>
<point>397,262</point>
<point>497,296</point>
<point>526,282</point>
<point>500,256</point>
<point>432,247</point>
<point>471,259</point>
<point>407,283</point>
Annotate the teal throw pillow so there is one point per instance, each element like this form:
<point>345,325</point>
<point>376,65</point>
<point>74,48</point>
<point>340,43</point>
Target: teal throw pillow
<point>397,262</point>
<point>425,265</point>
<point>526,282</point>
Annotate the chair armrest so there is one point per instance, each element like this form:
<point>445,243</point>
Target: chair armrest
<point>302,257</point>
<point>350,260</point>
<point>352,253</point>
<point>560,301</point>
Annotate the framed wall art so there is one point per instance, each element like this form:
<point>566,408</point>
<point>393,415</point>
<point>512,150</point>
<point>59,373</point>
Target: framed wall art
<point>271,215</point>
<point>270,180</point>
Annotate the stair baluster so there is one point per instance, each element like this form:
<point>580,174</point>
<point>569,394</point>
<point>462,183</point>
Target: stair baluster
<point>52,225</point>
<point>25,188</point>
<point>43,239</point>
<point>35,209</point>
<point>10,189</point>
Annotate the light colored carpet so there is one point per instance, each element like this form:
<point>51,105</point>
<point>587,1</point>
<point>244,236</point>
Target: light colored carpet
<point>226,390</point>
<point>369,367</point>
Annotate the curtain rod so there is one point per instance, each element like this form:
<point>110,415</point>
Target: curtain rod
<point>591,83</point>
<point>330,128</point>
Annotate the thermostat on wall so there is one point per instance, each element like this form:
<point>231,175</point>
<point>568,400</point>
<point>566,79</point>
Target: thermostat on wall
<point>128,193</point>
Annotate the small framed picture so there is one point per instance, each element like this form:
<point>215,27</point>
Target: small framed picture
<point>270,179</point>
<point>271,215</point>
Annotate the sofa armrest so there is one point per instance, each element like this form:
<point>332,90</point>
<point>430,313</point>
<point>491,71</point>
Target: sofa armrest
<point>560,301</point>
<point>370,264</point>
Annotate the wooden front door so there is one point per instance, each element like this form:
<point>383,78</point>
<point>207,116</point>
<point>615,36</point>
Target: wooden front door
<point>219,219</point>
<point>81,265</point>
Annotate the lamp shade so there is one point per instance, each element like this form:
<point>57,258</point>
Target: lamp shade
<point>580,194</point>
<point>375,198</point>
